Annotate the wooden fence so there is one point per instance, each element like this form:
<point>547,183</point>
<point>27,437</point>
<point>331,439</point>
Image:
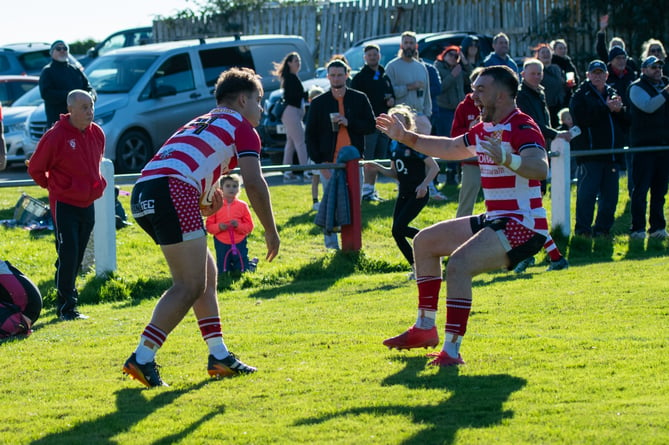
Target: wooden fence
<point>332,27</point>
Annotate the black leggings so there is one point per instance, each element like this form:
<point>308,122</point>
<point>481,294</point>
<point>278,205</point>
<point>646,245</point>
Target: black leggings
<point>407,207</point>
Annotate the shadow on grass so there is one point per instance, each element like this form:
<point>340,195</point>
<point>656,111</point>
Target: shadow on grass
<point>474,402</point>
<point>321,274</point>
<point>131,408</point>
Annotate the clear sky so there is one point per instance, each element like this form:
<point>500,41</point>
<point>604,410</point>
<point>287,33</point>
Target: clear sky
<point>74,20</point>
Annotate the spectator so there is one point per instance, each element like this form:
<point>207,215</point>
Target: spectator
<point>532,101</point>
<point>67,162</point>
<point>372,81</point>
<point>470,58</point>
<point>599,112</point>
<point>603,50</point>
<point>3,147</point>
<point>231,224</point>
<point>175,190</point>
<point>57,79</point>
<point>653,47</point>
<point>466,116</point>
<point>411,82</point>
<point>620,78</point>
<point>435,90</point>
<point>566,124</point>
<point>649,118</point>
<point>554,83</point>
<point>337,118</point>
<point>562,59</point>
<point>451,93</point>
<point>414,171</point>
<point>452,87</point>
<point>500,54</point>
<point>511,153</point>
<point>293,115</point>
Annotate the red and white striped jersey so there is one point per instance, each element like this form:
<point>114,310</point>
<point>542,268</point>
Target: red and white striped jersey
<point>506,193</point>
<point>204,149</point>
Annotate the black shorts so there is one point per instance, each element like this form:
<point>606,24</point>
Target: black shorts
<point>519,241</point>
<point>168,209</point>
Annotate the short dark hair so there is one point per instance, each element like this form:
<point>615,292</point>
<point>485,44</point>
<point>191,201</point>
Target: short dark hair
<point>337,64</point>
<point>234,81</point>
<point>371,46</point>
<point>503,76</point>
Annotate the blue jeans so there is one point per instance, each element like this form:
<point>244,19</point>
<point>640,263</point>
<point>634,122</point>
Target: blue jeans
<point>233,260</point>
<point>597,184</point>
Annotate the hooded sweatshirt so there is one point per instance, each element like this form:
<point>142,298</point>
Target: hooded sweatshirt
<point>67,161</point>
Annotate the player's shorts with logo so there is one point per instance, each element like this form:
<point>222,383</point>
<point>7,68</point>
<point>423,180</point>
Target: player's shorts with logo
<point>518,241</point>
<point>168,210</point>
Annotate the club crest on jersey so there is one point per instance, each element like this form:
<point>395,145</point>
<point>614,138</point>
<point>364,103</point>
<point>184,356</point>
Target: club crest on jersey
<point>72,143</point>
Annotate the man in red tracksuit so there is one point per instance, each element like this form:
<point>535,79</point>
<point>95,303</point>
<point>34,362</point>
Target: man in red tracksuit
<point>67,163</point>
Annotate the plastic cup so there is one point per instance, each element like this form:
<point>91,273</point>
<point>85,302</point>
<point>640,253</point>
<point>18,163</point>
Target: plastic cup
<point>333,121</point>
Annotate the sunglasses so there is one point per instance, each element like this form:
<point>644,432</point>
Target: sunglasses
<point>60,48</point>
<point>656,67</point>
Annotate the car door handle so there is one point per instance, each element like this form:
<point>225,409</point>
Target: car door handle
<point>195,95</point>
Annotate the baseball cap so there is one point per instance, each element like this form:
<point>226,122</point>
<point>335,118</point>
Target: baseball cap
<point>615,52</point>
<point>597,65</point>
<point>651,60</point>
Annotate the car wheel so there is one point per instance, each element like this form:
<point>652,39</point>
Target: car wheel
<point>133,152</point>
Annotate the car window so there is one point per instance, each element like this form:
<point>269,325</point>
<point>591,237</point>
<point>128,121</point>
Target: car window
<point>4,63</point>
<point>355,55</point>
<point>174,75</point>
<point>114,42</point>
<point>266,55</point>
<point>34,61</point>
<point>215,61</point>
<point>117,74</point>
<point>32,98</point>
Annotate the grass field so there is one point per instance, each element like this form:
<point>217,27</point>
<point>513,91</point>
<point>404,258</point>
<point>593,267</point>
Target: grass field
<point>575,356</point>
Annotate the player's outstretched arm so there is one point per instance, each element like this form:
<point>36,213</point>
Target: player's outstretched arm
<point>258,193</point>
<point>450,149</point>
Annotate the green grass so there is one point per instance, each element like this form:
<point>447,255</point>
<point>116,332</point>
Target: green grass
<point>576,356</point>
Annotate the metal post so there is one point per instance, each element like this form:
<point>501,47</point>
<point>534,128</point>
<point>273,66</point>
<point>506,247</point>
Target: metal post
<point>560,186</point>
<point>351,234</point>
<point>104,232</point>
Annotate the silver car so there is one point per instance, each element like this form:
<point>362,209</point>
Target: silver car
<point>146,93</point>
<point>14,122</point>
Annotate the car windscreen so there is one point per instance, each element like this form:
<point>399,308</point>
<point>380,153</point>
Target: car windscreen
<point>117,74</point>
<point>30,98</point>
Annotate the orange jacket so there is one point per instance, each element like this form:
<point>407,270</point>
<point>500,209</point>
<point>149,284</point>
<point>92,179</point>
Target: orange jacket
<point>236,209</point>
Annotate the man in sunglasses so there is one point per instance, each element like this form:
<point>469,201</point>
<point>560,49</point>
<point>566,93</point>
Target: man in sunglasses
<point>57,79</point>
<point>649,98</point>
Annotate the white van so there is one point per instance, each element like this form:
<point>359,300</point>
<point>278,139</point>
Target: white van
<point>145,93</point>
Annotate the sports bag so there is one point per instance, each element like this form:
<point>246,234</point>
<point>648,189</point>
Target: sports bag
<point>20,302</point>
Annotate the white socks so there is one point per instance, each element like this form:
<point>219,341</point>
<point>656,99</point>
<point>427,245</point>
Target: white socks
<point>452,344</point>
<point>426,319</point>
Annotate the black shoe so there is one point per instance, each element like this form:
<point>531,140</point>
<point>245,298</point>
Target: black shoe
<point>228,367</point>
<point>146,374</point>
<point>73,315</point>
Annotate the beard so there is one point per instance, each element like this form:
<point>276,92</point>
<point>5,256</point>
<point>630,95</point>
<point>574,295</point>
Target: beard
<point>487,113</point>
<point>409,52</point>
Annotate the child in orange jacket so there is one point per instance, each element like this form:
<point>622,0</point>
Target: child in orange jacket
<point>234,216</point>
